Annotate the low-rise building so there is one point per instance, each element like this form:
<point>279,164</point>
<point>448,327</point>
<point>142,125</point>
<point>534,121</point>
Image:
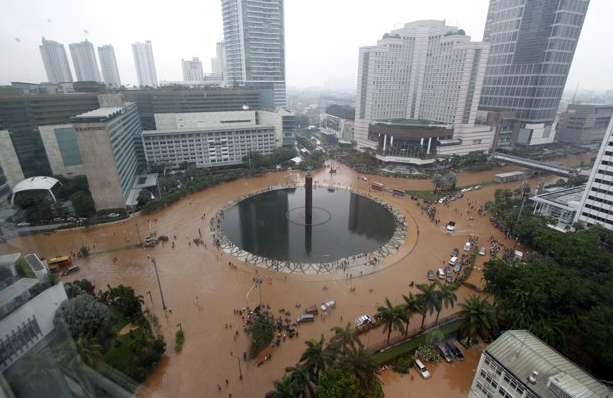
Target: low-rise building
<point>519,365</point>
<point>583,123</point>
<point>560,205</point>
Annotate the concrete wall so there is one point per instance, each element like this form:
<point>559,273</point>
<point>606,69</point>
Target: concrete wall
<point>99,165</point>
<point>8,160</point>
<point>47,134</point>
<point>170,121</point>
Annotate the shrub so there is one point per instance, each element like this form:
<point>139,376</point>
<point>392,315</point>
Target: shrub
<point>427,353</point>
<point>179,339</point>
<point>403,364</point>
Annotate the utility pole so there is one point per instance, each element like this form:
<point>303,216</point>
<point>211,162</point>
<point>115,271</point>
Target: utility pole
<point>140,241</point>
<point>155,268</point>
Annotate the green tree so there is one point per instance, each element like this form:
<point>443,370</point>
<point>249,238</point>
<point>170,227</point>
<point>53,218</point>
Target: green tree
<point>438,182</point>
<point>82,203</point>
<point>316,358</point>
<point>344,339</point>
<point>336,383</point>
<point>391,317</point>
<point>477,317</point>
<point>262,332</point>
<point>83,316</point>
<point>302,381</point>
<point>144,197</point>
<point>412,305</point>
<point>358,363</point>
<point>89,349</point>
<point>126,301</point>
<point>447,296</point>
<point>283,388</point>
<point>430,299</point>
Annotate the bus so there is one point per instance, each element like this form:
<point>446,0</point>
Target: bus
<point>398,192</point>
<point>56,263</point>
<point>377,186</point>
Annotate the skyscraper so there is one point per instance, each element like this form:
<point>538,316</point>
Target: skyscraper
<point>84,62</point>
<point>145,65</point>
<point>218,63</point>
<point>255,46</point>
<point>597,202</point>
<point>110,73</point>
<point>532,44</point>
<point>192,70</point>
<point>55,61</point>
<point>424,71</point>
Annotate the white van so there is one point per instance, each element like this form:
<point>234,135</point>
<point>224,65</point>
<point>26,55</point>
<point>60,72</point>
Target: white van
<point>467,246</point>
<point>453,261</point>
<point>441,274</point>
<point>422,369</point>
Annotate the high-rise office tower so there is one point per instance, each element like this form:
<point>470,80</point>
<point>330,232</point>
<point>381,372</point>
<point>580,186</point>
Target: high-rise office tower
<point>532,44</point>
<point>424,71</point>
<point>254,41</point>
<point>218,64</point>
<point>84,62</point>
<point>192,70</point>
<point>55,61</point>
<point>110,73</point>
<point>145,65</point>
<point>597,202</point>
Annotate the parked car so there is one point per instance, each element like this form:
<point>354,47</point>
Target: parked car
<point>457,267</point>
<point>448,272</point>
<point>430,275</point>
<point>363,320</point>
<point>312,310</point>
<point>112,215</point>
<point>421,369</point>
<point>455,350</point>
<point>70,270</point>
<point>327,305</point>
<point>24,224</point>
<point>454,252</point>
<point>467,246</point>
<point>445,353</point>
<point>163,238</point>
<point>441,274</point>
<point>305,318</point>
<point>482,251</point>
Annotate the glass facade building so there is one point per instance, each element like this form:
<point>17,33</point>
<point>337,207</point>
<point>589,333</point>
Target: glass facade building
<point>532,44</point>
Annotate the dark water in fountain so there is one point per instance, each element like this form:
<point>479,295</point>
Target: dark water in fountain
<point>271,224</point>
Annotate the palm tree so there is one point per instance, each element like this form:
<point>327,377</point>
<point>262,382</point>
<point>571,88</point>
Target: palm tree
<point>283,388</point>
<point>391,317</point>
<point>447,296</point>
<point>90,350</point>
<point>301,381</point>
<point>344,338</point>
<point>412,306</point>
<point>315,358</point>
<point>477,317</point>
<point>430,299</point>
<point>358,363</point>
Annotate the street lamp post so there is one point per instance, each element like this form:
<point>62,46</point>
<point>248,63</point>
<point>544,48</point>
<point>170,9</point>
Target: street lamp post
<point>240,372</point>
<point>155,268</point>
<point>150,296</point>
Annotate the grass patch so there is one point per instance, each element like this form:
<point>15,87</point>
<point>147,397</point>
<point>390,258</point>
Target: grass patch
<point>179,339</point>
<point>118,320</point>
<point>408,347</point>
<point>119,354</point>
<point>426,195</point>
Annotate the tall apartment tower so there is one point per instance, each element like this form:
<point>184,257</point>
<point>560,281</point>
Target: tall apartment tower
<point>55,61</point>
<point>218,64</point>
<point>424,71</point>
<point>254,38</point>
<point>145,65</point>
<point>192,70</point>
<point>532,44</point>
<point>110,73</point>
<point>597,202</point>
<point>84,62</point>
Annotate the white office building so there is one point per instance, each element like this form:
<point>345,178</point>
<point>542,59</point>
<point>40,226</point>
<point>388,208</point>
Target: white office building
<point>84,61</point>
<point>145,65</point>
<point>55,61</point>
<point>212,139</point>
<point>424,71</point>
<point>254,40</point>
<point>108,63</point>
<point>519,365</point>
<point>597,202</point>
<point>192,70</point>
<point>218,64</point>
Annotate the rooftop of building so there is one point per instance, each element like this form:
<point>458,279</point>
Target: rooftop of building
<point>34,262</point>
<point>250,126</point>
<point>100,113</point>
<point>569,198</point>
<point>9,259</point>
<point>35,183</point>
<point>522,354</point>
<point>412,123</point>
<point>16,289</point>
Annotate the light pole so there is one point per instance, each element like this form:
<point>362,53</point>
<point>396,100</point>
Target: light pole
<point>150,296</point>
<point>140,242</point>
<point>240,372</point>
<point>155,268</point>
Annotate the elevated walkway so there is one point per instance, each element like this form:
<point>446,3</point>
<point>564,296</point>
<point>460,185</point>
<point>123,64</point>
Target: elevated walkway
<point>535,164</point>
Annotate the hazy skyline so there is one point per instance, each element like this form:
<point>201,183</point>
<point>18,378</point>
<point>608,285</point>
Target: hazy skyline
<point>322,38</point>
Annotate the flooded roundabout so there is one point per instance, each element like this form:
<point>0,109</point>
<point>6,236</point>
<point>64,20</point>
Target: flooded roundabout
<point>203,284</point>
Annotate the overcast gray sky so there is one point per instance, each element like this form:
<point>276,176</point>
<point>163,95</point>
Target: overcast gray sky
<point>322,37</point>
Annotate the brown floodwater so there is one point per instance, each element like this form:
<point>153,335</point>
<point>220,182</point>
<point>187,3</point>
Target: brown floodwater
<point>201,290</point>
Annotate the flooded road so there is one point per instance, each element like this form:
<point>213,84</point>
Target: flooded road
<point>201,289</point>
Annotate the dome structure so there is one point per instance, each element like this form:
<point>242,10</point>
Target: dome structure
<point>35,184</point>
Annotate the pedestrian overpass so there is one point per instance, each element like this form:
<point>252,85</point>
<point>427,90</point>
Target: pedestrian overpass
<point>535,164</point>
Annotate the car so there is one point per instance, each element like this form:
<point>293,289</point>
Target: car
<point>457,267</point>
<point>430,275</point>
<point>112,215</point>
<point>455,350</point>
<point>70,270</point>
<point>441,273</point>
<point>453,261</point>
<point>363,320</point>
<point>312,310</point>
<point>448,272</point>
<point>305,318</point>
<point>467,246</point>
<point>421,369</point>
<point>482,251</point>
<point>24,224</point>
<point>328,305</point>
<point>454,252</point>
<point>445,353</point>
